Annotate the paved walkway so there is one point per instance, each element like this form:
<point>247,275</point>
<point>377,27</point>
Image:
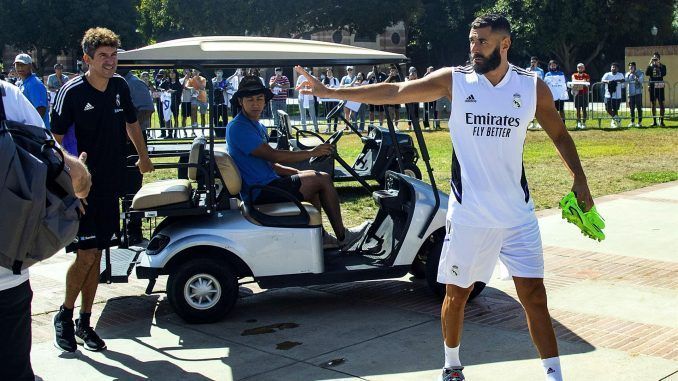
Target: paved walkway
<point>614,305</point>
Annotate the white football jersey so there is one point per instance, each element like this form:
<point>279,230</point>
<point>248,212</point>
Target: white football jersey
<point>488,127</point>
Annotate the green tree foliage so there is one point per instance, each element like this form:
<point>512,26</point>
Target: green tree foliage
<point>438,34</point>
<point>53,26</point>
<point>583,31</point>
<point>163,19</point>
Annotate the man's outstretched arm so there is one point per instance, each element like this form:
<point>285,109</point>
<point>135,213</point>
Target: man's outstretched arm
<point>430,88</point>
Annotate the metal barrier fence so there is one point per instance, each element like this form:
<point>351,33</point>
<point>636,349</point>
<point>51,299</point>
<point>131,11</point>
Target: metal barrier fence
<point>596,108</point>
<point>599,105</point>
<point>596,111</point>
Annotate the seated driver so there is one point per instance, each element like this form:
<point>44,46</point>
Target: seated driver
<point>259,164</point>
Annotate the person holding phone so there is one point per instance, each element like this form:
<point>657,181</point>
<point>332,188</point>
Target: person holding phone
<point>656,71</point>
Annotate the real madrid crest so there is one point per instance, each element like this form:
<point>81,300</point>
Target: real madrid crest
<point>117,99</point>
<point>517,102</point>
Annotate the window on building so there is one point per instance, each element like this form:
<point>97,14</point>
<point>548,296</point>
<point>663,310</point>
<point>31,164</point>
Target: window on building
<point>395,38</point>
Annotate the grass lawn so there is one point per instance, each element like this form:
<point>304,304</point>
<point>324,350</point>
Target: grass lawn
<point>614,160</point>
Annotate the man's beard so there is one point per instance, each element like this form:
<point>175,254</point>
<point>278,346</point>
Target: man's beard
<point>489,63</point>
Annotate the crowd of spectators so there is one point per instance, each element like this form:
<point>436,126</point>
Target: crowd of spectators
<point>611,85</point>
<point>177,96</point>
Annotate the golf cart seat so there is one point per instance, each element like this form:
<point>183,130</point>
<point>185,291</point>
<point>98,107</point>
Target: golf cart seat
<point>162,193</point>
<point>304,139</point>
<point>278,214</point>
<point>176,193</point>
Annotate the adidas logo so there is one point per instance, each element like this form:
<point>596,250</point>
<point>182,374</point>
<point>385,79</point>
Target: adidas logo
<point>88,107</point>
<point>470,99</point>
<point>551,370</point>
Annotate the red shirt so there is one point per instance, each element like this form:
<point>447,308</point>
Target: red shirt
<point>584,78</point>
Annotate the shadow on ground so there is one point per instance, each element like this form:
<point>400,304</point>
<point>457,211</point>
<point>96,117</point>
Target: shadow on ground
<point>355,328</point>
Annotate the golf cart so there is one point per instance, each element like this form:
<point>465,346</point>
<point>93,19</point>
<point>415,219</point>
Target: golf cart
<point>209,241</point>
<point>379,154</point>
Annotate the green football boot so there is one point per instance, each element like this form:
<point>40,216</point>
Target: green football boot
<point>590,223</point>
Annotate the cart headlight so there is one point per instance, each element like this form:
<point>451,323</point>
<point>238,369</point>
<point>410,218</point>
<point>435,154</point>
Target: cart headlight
<point>157,244</point>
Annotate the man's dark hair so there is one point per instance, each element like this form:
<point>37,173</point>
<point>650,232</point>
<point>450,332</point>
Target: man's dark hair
<point>498,23</point>
<point>534,58</point>
<point>615,64</point>
<point>656,54</point>
<point>632,63</point>
<point>97,37</point>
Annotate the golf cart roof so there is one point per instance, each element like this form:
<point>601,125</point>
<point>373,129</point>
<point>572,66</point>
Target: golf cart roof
<point>237,51</point>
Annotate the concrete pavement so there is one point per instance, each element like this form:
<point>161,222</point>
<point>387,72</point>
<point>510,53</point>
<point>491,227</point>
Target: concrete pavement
<point>614,305</point>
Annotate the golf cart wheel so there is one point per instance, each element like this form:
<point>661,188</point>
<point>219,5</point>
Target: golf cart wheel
<point>432,261</point>
<point>411,169</point>
<point>202,291</point>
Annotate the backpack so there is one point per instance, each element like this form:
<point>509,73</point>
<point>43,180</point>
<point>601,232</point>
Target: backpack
<point>40,212</point>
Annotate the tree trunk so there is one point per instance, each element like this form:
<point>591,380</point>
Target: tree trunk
<point>39,62</point>
<point>566,53</point>
<point>597,50</point>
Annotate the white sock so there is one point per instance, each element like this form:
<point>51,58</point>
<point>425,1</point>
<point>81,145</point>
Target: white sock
<point>451,356</point>
<point>552,369</point>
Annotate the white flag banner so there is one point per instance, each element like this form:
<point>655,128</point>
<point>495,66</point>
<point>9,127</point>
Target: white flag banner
<point>166,100</point>
<point>353,106</point>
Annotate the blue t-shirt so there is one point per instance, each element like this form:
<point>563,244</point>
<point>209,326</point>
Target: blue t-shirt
<point>242,137</point>
<point>140,93</point>
<point>537,69</point>
<point>35,91</point>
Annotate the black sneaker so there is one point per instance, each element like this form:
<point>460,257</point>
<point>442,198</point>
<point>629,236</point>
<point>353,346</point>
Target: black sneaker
<point>453,374</point>
<point>64,335</point>
<point>86,337</point>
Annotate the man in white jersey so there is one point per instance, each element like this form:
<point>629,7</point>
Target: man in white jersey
<point>491,214</point>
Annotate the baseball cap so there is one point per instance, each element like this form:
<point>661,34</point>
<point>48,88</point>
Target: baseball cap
<point>278,69</point>
<point>24,59</point>
<point>581,64</point>
<point>349,68</point>
<point>58,66</point>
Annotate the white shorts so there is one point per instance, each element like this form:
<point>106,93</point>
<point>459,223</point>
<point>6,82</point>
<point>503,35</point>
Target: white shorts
<point>470,253</point>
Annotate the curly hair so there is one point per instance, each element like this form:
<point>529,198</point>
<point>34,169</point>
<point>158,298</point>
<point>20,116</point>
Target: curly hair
<point>96,37</point>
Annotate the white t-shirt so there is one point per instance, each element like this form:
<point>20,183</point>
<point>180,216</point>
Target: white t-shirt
<point>304,99</point>
<point>19,109</point>
<point>617,93</point>
<point>488,128</point>
<point>185,93</point>
<point>558,84</point>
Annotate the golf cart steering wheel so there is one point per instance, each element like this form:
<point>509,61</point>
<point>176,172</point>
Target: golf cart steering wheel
<point>335,110</point>
<point>333,139</point>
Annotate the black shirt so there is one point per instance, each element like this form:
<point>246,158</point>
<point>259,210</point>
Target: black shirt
<point>176,94</point>
<point>377,78</point>
<point>100,120</point>
<point>656,73</point>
